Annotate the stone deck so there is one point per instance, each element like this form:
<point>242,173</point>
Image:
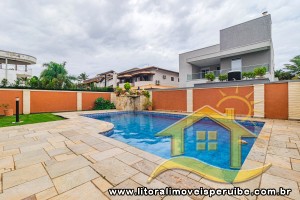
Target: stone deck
<point>69,159</point>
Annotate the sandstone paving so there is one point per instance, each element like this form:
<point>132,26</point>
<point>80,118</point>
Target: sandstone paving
<point>75,178</point>
<point>69,159</point>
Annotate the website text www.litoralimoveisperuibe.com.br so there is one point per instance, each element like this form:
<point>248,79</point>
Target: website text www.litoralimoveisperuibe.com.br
<point>168,191</point>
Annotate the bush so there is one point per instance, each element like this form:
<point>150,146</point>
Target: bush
<point>248,75</point>
<point>223,77</point>
<point>127,86</point>
<point>210,76</point>
<point>260,71</point>
<point>146,93</point>
<point>102,104</point>
<point>4,82</point>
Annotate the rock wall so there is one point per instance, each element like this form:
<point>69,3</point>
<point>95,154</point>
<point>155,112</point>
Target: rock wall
<point>130,103</point>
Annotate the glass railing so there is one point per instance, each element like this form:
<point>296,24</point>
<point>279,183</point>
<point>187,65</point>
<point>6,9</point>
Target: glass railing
<point>201,75</point>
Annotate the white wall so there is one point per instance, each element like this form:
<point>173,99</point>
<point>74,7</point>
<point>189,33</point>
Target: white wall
<point>11,75</point>
<point>166,82</point>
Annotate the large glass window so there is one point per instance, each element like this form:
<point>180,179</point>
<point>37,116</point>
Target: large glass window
<point>236,64</point>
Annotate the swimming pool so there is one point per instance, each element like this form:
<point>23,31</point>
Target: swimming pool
<point>138,129</point>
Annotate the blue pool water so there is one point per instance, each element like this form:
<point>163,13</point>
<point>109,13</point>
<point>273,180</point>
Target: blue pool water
<point>138,129</point>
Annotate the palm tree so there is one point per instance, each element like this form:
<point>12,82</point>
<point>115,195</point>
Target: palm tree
<point>56,76</point>
<point>82,77</point>
<point>295,67</point>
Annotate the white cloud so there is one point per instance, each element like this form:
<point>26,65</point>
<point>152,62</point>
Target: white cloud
<point>99,35</point>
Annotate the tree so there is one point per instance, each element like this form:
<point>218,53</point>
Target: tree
<point>34,82</point>
<point>283,75</point>
<point>82,77</point>
<point>60,75</point>
<point>295,67</point>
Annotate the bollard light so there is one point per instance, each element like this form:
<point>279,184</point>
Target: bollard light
<point>17,110</point>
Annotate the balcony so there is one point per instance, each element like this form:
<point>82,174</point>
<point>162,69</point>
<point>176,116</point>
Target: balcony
<point>201,75</point>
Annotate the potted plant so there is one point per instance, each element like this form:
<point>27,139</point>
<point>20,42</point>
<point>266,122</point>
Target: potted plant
<point>7,111</point>
<point>148,105</point>
<point>210,77</point>
<point>260,72</point>
<point>223,77</point>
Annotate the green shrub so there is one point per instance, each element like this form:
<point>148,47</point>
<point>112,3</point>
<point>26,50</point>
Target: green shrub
<point>223,77</point>
<point>248,75</point>
<point>118,91</point>
<point>260,71</point>
<point>4,82</point>
<point>102,104</point>
<point>127,86</point>
<point>146,93</point>
<point>210,76</point>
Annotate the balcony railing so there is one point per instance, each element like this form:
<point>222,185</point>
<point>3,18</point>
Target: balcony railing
<point>201,75</point>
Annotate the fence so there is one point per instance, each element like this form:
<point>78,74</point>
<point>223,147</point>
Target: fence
<point>39,101</point>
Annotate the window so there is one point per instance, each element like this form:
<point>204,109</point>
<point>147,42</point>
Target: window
<point>164,76</point>
<point>218,68</point>
<point>178,79</point>
<point>172,78</point>
<point>236,64</point>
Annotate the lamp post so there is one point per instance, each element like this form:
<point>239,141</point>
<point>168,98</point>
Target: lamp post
<point>17,110</point>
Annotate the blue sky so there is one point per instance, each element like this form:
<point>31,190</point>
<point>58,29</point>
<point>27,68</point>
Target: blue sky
<point>94,36</point>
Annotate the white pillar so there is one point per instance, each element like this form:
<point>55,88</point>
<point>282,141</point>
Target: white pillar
<point>189,100</point>
<point>294,100</point>
<point>6,62</point>
<point>259,100</point>
<point>26,102</point>
<point>79,101</point>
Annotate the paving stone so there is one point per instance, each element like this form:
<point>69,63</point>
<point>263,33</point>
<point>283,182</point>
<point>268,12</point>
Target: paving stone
<point>84,192</point>
<point>35,147</point>
<point>55,139</point>
<point>145,166</point>
<point>102,184</point>
<point>9,153</point>
<point>30,158</point>
<point>284,173</point>
<point>19,176</point>
<point>295,164</point>
<point>63,157</point>
<point>7,163</point>
<point>271,181</point>
<point>107,154</point>
<point>128,158</point>
<point>279,161</point>
<point>103,146</point>
<point>73,179</point>
<point>81,148</point>
<point>142,179</point>
<point>120,170</point>
<point>32,197</point>
<point>46,194</point>
<point>58,151</point>
<point>27,189</point>
<point>66,166</point>
<point>292,153</point>
<point>177,198</point>
<point>290,145</point>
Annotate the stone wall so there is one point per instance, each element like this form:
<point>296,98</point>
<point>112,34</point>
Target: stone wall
<point>130,103</point>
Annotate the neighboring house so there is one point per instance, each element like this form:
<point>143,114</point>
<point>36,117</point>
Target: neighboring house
<point>15,65</point>
<point>106,79</point>
<point>149,77</point>
<point>242,48</point>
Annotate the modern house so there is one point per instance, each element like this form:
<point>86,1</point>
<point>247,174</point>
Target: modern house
<point>242,47</point>
<point>15,65</point>
<point>143,78</point>
<point>106,79</point>
<point>149,77</point>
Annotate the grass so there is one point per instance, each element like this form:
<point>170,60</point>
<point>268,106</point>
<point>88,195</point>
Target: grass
<point>29,119</point>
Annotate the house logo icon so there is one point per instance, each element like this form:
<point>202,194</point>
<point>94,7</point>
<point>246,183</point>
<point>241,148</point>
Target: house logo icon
<point>237,132</point>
